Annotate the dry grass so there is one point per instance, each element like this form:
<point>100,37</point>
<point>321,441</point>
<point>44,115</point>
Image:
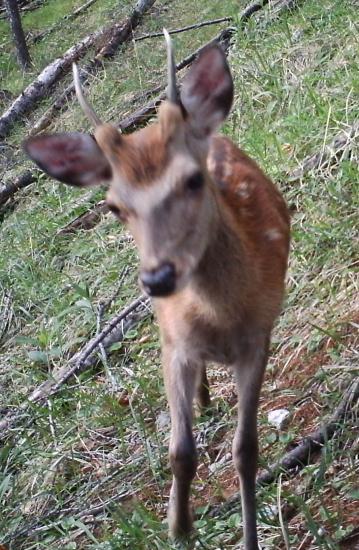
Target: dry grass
<point>88,468</point>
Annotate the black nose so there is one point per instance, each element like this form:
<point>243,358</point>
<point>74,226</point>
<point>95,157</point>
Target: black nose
<point>160,281</point>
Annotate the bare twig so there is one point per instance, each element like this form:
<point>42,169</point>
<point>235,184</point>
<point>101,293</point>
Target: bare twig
<point>112,36</point>
<point>301,455</point>
<point>41,35</point>
<point>6,191</point>
<point>23,7</point>
<point>114,331</point>
<point>120,33</point>
<point>61,511</point>
<point>184,29</point>
<point>85,357</point>
<point>87,220</point>
<point>6,311</point>
<point>46,79</point>
<point>100,312</point>
<point>141,115</point>
<point>104,305</point>
<point>334,152</point>
<point>298,457</point>
<point>277,7</point>
<point>251,10</point>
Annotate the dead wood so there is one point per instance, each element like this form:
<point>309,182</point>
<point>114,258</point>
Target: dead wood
<point>277,7</point>
<point>330,155</point>
<point>109,37</point>
<point>40,87</point>
<point>87,220</point>
<point>301,455</point>
<point>46,119</point>
<point>350,542</point>
<point>251,10</point>
<point>6,312</point>
<point>24,6</point>
<point>79,11</point>
<point>119,34</point>
<point>142,114</point>
<point>184,29</point>
<point>306,450</point>
<point>7,191</point>
<point>114,331</point>
<point>58,513</point>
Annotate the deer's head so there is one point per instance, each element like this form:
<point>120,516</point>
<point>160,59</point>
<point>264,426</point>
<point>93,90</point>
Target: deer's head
<point>157,177</point>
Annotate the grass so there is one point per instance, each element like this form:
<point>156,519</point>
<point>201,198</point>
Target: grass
<point>296,83</point>
<point>58,41</point>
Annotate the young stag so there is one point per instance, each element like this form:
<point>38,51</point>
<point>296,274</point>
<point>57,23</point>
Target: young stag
<point>212,233</point>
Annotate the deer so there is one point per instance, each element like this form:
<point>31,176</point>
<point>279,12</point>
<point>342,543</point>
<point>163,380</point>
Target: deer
<point>213,234</point>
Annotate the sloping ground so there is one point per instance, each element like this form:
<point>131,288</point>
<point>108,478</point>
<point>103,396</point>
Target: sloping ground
<point>91,471</point>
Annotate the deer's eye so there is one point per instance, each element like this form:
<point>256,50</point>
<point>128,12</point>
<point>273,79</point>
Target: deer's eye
<point>118,212</point>
<point>195,182</point>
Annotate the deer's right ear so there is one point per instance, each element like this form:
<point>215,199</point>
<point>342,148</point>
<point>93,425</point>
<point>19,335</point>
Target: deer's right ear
<point>207,91</point>
<point>72,158</point>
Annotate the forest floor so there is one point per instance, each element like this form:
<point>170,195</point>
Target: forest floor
<point>87,467</point>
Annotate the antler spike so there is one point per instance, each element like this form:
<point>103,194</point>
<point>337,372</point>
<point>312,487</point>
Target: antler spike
<point>85,106</point>
<point>172,89</point>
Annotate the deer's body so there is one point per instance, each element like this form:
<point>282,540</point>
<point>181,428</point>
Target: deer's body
<point>213,237</point>
<point>238,284</point>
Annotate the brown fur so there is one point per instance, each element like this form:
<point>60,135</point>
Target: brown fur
<point>141,157</point>
<point>225,243</point>
<point>234,290</point>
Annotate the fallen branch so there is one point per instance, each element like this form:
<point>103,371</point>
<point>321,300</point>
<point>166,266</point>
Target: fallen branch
<point>277,7</point>
<point>79,11</point>
<point>58,513</point>
<point>296,459</point>
<point>184,29</point>
<point>6,311</point>
<point>23,7</point>
<point>114,331</point>
<point>251,10</point>
<point>120,33</point>
<point>140,116</point>
<point>46,79</point>
<point>112,36</point>
<point>6,191</point>
<point>333,152</point>
<point>129,123</point>
<point>300,456</point>
<point>87,220</point>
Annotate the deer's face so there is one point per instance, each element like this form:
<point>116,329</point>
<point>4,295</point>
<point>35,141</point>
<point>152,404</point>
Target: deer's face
<point>157,177</point>
<point>161,190</point>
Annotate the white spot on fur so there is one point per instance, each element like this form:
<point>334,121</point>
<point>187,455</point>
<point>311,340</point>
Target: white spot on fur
<point>244,190</point>
<point>211,165</point>
<point>273,234</point>
<point>227,172</point>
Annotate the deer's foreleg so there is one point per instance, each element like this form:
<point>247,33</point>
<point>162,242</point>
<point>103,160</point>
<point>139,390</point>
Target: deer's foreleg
<point>181,374</point>
<point>249,375</point>
<point>203,398</point>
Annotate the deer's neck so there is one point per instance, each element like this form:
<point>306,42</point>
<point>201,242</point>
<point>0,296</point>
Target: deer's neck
<point>221,271</point>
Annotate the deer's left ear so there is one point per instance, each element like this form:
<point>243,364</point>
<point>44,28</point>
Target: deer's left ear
<point>72,158</point>
<point>207,91</point>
